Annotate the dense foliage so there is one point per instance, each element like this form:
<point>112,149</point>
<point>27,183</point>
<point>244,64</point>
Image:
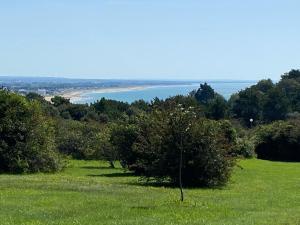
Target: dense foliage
<point>105,149</point>
<point>26,137</point>
<point>114,110</point>
<point>213,104</point>
<point>77,139</point>
<point>205,146</point>
<point>266,102</point>
<point>147,137</point>
<point>279,141</point>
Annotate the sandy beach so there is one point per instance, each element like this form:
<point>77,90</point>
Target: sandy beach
<point>77,94</point>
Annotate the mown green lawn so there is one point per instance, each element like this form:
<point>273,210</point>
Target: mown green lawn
<point>88,192</point>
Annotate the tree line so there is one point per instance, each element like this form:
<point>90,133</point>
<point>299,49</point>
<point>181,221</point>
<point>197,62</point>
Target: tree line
<point>201,132</point>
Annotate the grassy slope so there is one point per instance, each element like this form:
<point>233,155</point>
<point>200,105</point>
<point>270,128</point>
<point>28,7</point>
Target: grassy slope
<point>262,192</point>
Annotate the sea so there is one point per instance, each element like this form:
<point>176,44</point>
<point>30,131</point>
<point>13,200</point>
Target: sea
<point>148,93</point>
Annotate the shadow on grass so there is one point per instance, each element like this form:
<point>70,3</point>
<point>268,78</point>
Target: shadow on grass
<point>144,182</point>
<point>165,184</point>
<point>112,175</point>
<point>97,167</point>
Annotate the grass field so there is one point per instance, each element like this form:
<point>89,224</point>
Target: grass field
<point>88,192</point>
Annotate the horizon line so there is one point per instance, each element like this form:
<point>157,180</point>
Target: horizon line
<point>129,79</point>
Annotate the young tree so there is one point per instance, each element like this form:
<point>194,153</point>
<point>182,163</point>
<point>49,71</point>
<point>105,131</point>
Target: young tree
<point>178,147</point>
<point>181,121</point>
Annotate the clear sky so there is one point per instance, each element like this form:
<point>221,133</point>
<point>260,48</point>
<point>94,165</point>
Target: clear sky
<point>149,39</point>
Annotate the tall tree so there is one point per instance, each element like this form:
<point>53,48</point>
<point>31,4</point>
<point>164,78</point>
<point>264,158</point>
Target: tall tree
<point>204,94</point>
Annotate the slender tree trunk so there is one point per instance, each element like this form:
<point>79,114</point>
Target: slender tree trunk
<point>111,164</point>
<point>180,169</point>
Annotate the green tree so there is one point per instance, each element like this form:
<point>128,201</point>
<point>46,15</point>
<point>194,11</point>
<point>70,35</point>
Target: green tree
<point>115,110</point>
<point>264,85</point>
<point>168,141</point>
<point>293,74</point>
<point>204,94</point>
<point>105,150</point>
<point>247,104</point>
<point>47,107</point>
<point>58,100</point>
<point>141,105</point>
<point>276,105</point>
<point>77,111</point>
<point>77,139</point>
<point>291,89</point>
<point>123,137</point>
<point>217,108</point>
<point>26,137</point>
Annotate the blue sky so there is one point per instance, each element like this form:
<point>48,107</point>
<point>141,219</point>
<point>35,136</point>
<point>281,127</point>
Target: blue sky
<point>149,39</point>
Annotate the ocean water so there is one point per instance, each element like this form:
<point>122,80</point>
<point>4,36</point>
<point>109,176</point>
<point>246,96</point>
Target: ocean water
<point>162,92</point>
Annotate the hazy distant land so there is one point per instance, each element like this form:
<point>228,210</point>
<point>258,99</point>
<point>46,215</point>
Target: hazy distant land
<point>90,90</point>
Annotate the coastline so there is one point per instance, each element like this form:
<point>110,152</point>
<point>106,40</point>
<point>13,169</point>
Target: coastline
<point>77,94</point>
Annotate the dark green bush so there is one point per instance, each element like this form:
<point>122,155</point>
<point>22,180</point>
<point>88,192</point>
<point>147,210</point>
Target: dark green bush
<point>206,146</point>
<point>26,137</point>
<point>279,141</point>
<point>123,137</point>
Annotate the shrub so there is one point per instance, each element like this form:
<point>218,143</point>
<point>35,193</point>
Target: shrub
<point>279,141</point>
<point>244,147</point>
<point>206,146</point>
<point>26,137</point>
